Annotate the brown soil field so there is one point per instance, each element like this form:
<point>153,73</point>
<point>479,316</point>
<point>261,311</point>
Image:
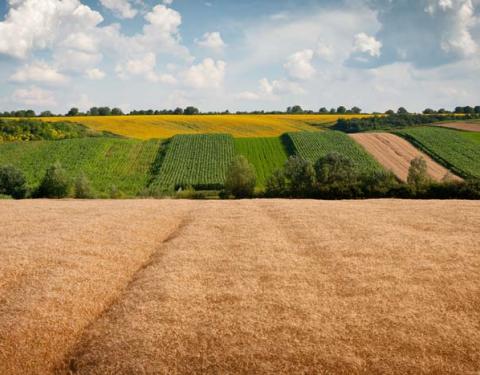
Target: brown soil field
<point>395,154</point>
<point>239,287</point>
<point>467,126</point>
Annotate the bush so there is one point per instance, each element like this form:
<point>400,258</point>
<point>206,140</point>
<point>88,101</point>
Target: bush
<point>276,185</point>
<point>83,188</point>
<point>300,176</point>
<point>241,178</point>
<point>417,174</point>
<point>335,168</point>
<point>190,193</point>
<point>12,182</point>
<point>55,184</point>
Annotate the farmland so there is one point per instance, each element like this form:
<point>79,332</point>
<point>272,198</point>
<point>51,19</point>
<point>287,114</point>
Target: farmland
<point>455,149</point>
<point>108,162</point>
<point>258,287</point>
<point>265,154</point>
<point>313,146</point>
<point>200,161</point>
<point>167,126</point>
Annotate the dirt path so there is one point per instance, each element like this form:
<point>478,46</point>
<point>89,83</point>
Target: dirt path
<point>466,126</point>
<point>395,154</point>
<point>267,287</point>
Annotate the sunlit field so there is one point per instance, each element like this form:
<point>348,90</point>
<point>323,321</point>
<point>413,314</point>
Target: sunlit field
<point>239,126</point>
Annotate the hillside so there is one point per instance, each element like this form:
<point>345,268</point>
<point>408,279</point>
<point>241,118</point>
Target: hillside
<point>239,287</point>
<point>109,163</point>
<point>241,126</point>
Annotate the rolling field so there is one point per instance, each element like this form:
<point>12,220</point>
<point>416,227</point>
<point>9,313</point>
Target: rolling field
<point>265,154</point>
<point>313,146</point>
<point>167,126</point>
<point>107,162</point>
<point>239,287</point>
<point>466,126</point>
<point>200,161</point>
<point>460,151</point>
<point>395,154</point>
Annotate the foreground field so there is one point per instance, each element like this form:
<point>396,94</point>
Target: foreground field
<point>268,287</point>
<point>166,126</point>
<point>395,154</point>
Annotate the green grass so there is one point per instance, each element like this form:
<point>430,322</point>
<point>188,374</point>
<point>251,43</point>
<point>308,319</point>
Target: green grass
<point>313,146</point>
<point>107,162</point>
<point>457,150</point>
<point>265,154</point>
<point>200,161</point>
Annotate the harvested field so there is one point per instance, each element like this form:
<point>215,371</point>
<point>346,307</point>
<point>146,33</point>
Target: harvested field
<point>466,126</point>
<point>264,287</point>
<point>395,154</point>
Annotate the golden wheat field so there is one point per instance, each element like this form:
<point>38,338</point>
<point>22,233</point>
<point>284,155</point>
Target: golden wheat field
<point>241,126</point>
<point>239,287</point>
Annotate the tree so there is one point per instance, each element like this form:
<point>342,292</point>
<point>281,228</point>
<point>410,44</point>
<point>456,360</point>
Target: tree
<point>46,114</point>
<point>323,110</point>
<point>93,111</point>
<point>295,109</point>
<point>341,110</point>
<point>356,110</point>
<point>178,111</point>
<point>104,111</point>
<point>402,111</point>
<point>117,112</point>
<point>333,111</point>
<point>468,110</point>
<point>459,110</point>
<point>417,173</point>
<point>442,111</point>
<point>30,113</point>
<point>477,109</point>
<point>335,168</point>
<point>74,112</point>
<point>12,182</point>
<point>83,188</point>
<point>428,111</point>
<point>241,178</point>
<point>191,111</point>
<point>55,183</point>
<point>300,176</point>
<point>276,185</point>
<point>390,112</point>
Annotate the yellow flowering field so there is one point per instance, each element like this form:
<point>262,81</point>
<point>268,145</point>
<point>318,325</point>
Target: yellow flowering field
<point>239,126</point>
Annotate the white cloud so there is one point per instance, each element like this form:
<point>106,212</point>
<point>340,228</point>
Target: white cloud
<point>121,8</point>
<point>95,74</point>
<point>272,90</point>
<point>212,40</point>
<point>299,65</point>
<point>167,2</point>
<point>34,96</point>
<point>33,24</point>
<point>38,71</point>
<point>207,74</point>
<point>367,44</point>
<point>145,67</point>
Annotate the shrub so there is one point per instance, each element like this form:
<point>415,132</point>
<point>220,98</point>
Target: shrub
<point>300,176</point>
<point>12,182</point>
<point>276,185</point>
<point>241,178</point>
<point>335,168</point>
<point>55,184</point>
<point>190,193</point>
<point>83,188</point>
<point>417,174</point>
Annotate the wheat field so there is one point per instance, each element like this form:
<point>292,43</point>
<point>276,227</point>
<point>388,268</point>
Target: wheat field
<point>239,126</point>
<point>239,287</point>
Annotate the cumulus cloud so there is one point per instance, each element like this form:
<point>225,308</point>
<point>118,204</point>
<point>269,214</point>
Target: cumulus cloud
<point>34,96</point>
<point>272,90</point>
<point>144,66</point>
<point>299,65</point>
<point>212,40</point>
<point>38,71</point>
<point>207,74</point>
<point>121,8</point>
<point>367,44</point>
<point>95,74</point>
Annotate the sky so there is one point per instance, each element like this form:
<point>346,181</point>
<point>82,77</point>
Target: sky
<point>239,55</point>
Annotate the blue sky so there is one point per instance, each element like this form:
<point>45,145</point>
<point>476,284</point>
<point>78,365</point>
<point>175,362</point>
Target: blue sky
<point>239,55</point>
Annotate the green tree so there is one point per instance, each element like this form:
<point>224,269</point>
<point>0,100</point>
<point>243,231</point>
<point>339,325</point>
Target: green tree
<point>276,185</point>
<point>241,179</point>
<point>178,111</point>
<point>402,111</point>
<point>116,112</point>
<point>341,110</point>
<point>323,110</point>
<point>417,173</point>
<point>390,112</point>
<point>55,183</point>
<point>428,111</point>
<point>191,111</point>
<point>335,168</point>
<point>300,176</point>
<point>46,114</point>
<point>83,188</point>
<point>12,182</point>
<point>104,111</point>
<point>356,110</point>
<point>93,111</point>
<point>73,112</point>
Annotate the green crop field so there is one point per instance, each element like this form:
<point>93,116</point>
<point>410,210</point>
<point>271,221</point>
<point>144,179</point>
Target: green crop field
<point>313,146</point>
<point>200,161</point>
<point>265,154</point>
<point>457,150</point>
<point>107,162</point>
